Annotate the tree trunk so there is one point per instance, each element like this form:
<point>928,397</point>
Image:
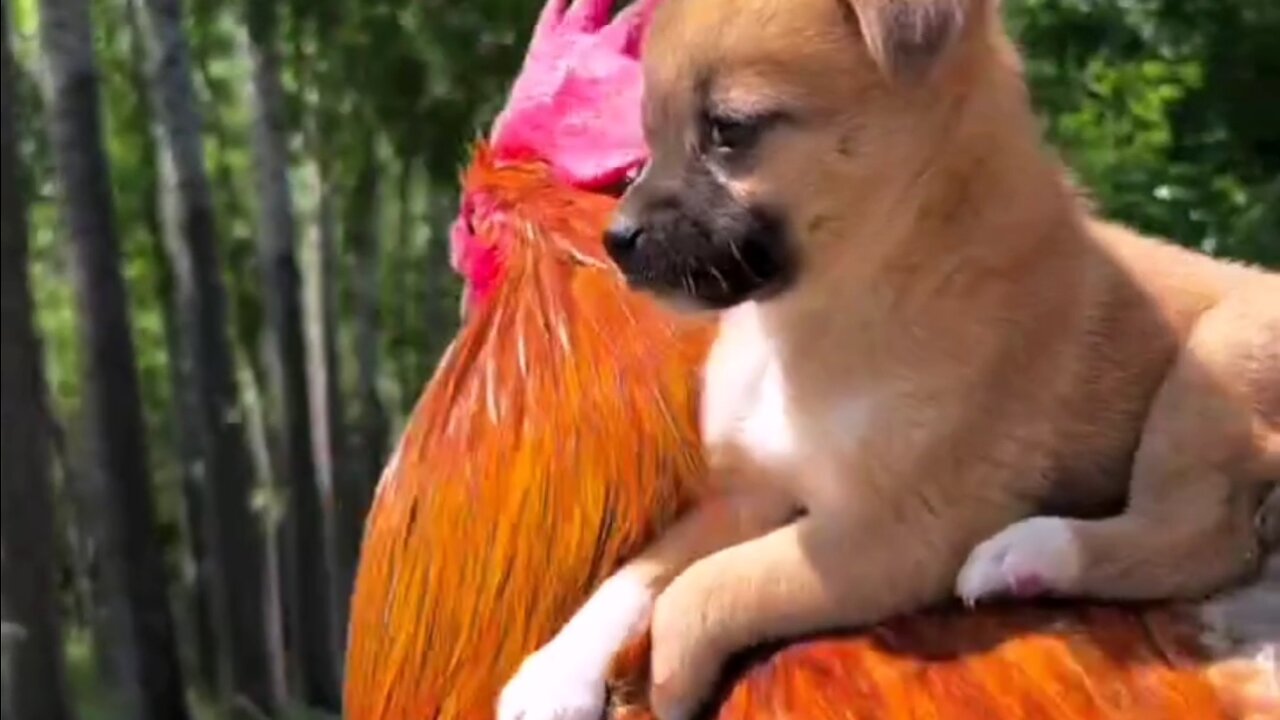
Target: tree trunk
<point>184,403</point>
<point>307,602</point>
<point>402,273</point>
<point>269,504</point>
<point>114,649</point>
<point>327,413</point>
<point>108,608</point>
<point>34,674</point>
<point>371,418</point>
<point>236,547</point>
<point>115,433</point>
<point>442,284</point>
<point>93,608</point>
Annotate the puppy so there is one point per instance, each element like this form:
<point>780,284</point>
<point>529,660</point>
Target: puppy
<point>936,371</point>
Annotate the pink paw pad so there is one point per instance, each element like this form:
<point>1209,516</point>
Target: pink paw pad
<point>1027,559</point>
<point>1027,584</point>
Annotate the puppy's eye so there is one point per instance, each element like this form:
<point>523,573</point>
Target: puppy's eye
<point>732,134</point>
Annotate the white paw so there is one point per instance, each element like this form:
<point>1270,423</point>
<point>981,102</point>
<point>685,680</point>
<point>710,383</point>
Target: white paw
<point>1028,558</point>
<point>565,679</point>
<point>552,684</point>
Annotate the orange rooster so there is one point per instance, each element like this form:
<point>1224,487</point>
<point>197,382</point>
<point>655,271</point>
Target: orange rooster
<point>559,433</point>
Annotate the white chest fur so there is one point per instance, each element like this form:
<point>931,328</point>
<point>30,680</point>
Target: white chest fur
<point>748,401</point>
<point>745,398</point>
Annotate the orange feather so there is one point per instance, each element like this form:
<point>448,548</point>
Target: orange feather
<point>559,434</point>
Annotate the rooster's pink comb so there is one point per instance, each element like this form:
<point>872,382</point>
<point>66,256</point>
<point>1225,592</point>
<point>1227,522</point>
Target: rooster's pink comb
<point>576,106</point>
<point>576,101</point>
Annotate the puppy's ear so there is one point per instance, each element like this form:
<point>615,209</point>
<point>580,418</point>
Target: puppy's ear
<point>907,37</point>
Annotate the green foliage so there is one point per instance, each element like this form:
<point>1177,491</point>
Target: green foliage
<point>94,699</point>
<point>1161,107</point>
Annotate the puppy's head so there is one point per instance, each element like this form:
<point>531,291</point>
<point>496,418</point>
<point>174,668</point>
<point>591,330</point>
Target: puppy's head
<point>778,131</point>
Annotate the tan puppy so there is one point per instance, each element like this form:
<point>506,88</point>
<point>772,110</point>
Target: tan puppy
<point>926,339</point>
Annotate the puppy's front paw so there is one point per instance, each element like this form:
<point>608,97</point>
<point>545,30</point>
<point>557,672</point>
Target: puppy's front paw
<point>1026,559</point>
<point>684,661</point>
<point>552,685</point>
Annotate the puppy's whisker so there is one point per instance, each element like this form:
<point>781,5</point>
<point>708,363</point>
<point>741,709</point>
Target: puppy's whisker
<point>724,284</point>
<point>689,285</point>
<point>737,255</point>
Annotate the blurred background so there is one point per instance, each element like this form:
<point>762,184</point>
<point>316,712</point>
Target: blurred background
<point>226,279</point>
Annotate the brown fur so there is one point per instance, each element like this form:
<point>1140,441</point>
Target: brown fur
<point>965,344</point>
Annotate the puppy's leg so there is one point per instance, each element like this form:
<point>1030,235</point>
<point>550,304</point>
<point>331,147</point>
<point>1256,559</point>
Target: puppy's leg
<point>565,679</point>
<point>1199,475</point>
<point>818,573</point>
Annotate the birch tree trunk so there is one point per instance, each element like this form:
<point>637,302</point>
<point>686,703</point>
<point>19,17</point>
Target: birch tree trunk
<point>236,546</point>
<point>34,674</point>
<point>113,411</point>
<point>308,617</point>
<point>330,438</point>
<point>185,407</point>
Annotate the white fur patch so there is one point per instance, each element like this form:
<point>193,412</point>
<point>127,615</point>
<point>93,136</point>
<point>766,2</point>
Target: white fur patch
<point>564,680</point>
<point>1027,558</point>
<point>744,398</point>
<point>546,688</point>
<point>849,421</point>
<point>734,365</point>
<point>767,430</point>
<point>616,611</point>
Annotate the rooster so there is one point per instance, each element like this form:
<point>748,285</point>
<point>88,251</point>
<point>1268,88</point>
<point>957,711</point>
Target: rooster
<point>559,434</point>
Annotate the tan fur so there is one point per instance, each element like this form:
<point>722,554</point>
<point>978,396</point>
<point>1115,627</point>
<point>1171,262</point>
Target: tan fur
<point>967,346</point>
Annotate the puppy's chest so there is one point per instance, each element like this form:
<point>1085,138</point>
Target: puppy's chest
<point>750,402</point>
<point>751,411</point>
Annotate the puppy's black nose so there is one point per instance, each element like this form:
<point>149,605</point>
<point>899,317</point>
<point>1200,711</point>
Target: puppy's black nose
<point>622,237</point>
